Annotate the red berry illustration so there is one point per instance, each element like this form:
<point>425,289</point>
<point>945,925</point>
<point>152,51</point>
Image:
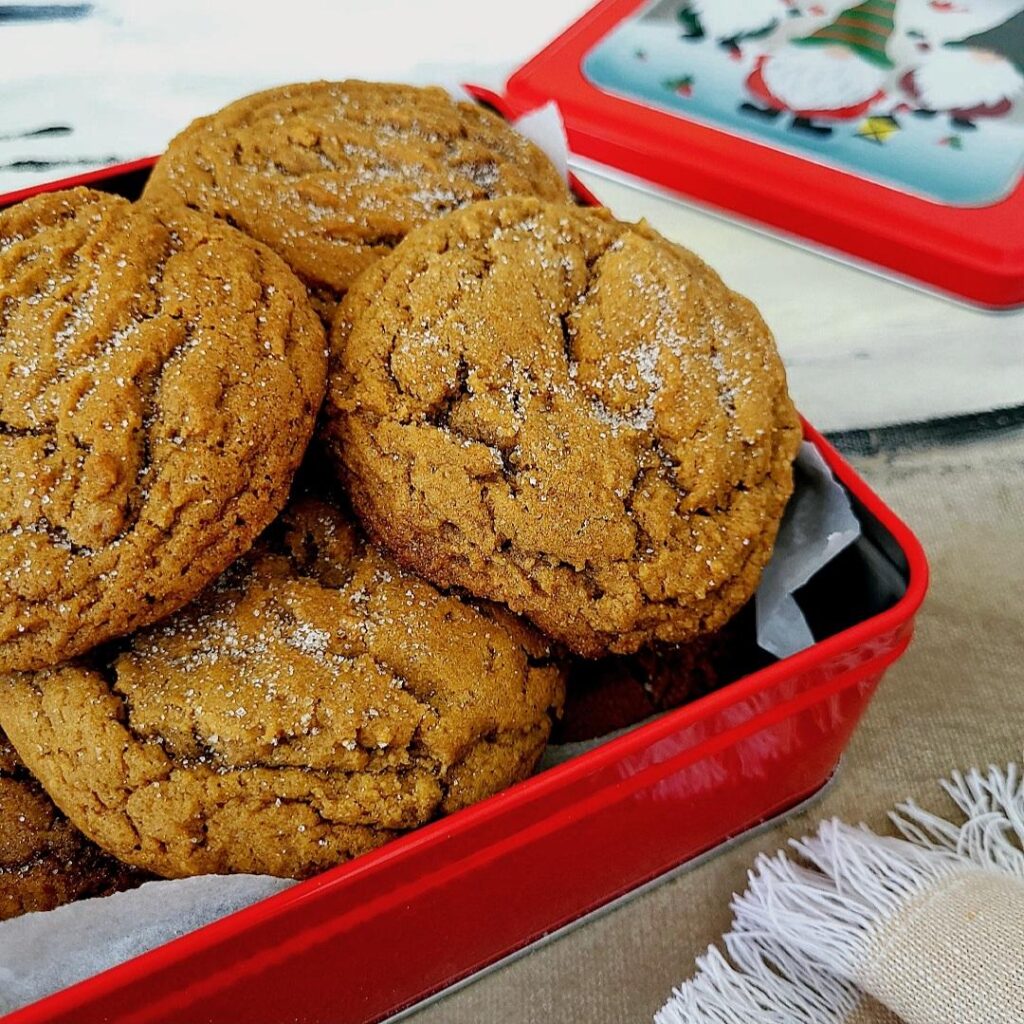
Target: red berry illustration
<point>680,86</point>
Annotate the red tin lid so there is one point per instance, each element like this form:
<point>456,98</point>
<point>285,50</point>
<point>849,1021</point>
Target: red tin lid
<point>892,132</point>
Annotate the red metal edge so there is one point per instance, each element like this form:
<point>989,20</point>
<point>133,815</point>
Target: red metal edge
<point>975,253</point>
<point>85,179</point>
<point>895,624</point>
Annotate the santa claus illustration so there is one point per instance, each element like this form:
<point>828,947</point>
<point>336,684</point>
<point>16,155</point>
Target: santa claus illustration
<point>925,24</point>
<point>977,77</point>
<point>730,22</point>
<point>835,73</point>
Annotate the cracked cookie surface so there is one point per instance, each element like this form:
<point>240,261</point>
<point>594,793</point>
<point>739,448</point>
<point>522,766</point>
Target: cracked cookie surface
<point>44,860</point>
<point>313,703</point>
<point>160,374</point>
<point>566,414</point>
<point>332,174</point>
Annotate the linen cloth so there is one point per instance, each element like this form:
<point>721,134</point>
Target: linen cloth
<point>930,923</point>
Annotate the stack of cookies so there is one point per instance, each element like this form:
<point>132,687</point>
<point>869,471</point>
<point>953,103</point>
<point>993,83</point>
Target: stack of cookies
<point>321,462</point>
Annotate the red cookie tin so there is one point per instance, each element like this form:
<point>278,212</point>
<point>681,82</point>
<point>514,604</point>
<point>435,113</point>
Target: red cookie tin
<point>743,111</point>
<point>372,937</point>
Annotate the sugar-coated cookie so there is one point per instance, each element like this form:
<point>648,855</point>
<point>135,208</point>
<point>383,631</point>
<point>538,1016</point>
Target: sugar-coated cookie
<point>331,175</point>
<point>567,414</point>
<point>314,703</point>
<point>160,374</point>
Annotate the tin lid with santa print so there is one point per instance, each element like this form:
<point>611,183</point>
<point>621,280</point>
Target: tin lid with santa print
<point>891,131</point>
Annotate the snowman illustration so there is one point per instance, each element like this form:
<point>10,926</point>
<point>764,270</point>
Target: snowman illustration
<point>730,22</point>
<point>977,77</point>
<point>836,73</point>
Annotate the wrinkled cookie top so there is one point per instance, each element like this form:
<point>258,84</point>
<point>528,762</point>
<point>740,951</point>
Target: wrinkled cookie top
<point>159,378</point>
<point>331,175</point>
<point>568,414</point>
<point>44,860</point>
<point>313,703</point>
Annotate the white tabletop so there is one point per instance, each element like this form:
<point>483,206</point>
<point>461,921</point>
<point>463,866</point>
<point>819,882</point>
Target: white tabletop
<point>123,76</point>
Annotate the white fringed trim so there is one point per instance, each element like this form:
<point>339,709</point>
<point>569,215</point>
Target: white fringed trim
<point>831,915</point>
<point>992,836</point>
<point>800,933</point>
<point>752,991</point>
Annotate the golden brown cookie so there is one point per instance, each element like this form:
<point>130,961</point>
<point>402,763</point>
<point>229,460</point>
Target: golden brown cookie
<point>567,414</point>
<point>44,860</point>
<point>311,705</point>
<point>160,374</point>
<point>332,175</point>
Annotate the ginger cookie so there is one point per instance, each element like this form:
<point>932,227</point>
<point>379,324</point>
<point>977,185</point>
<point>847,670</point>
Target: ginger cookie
<point>160,374</point>
<point>313,703</point>
<point>331,175</point>
<point>44,860</point>
<point>567,414</point>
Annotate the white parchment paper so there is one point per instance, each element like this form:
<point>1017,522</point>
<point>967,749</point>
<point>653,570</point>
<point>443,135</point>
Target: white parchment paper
<point>818,524</point>
<point>545,128</point>
<point>43,953</point>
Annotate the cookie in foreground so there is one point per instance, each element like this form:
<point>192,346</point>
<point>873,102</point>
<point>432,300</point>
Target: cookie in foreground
<point>160,374</point>
<point>44,860</point>
<point>566,414</point>
<point>332,175</point>
<point>314,703</point>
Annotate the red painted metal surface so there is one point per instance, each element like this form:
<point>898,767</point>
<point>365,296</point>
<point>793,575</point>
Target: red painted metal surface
<point>362,941</point>
<point>976,253</point>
